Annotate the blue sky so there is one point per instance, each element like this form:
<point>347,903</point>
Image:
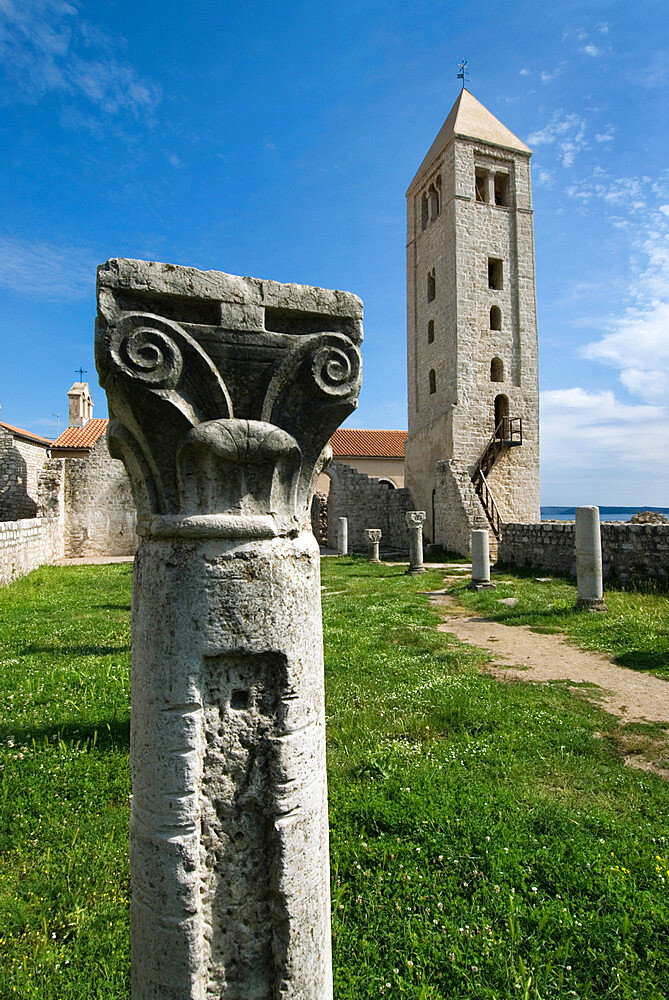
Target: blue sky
<point>278,140</point>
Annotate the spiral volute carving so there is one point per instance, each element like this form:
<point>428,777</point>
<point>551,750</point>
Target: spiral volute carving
<point>148,353</point>
<point>336,368</point>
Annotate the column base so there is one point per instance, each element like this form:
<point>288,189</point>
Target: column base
<point>415,571</point>
<point>481,585</point>
<point>591,604</point>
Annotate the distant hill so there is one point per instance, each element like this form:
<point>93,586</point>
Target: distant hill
<point>605,513</point>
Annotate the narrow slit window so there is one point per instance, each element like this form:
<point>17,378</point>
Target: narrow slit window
<point>430,331</point>
<point>433,381</point>
<point>424,212</point>
<point>431,285</point>
<point>502,189</point>
<point>495,318</point>
<point>495,274</point>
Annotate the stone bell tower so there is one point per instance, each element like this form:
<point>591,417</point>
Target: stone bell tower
<point>472,455</point>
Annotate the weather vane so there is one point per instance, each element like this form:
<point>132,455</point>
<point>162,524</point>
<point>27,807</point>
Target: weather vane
<point>81,372</point>
<point>463,73</point>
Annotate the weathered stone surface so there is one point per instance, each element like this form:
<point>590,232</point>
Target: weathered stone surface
<point>414,520</point>
<point>342,536</point>
<point>223,393</point>
<point>589,580</point>
<point>373,536</point>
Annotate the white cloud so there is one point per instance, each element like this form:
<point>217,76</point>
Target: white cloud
<point>524,72</point>
<point>543,176</point>
<point>606,136</point>
<point>636,341</point>
<point>596,431</point>
<point>603,28</point>
<point>548,75</point>
<point>591,50</point>
<point>46,270</point>
<point>45,47</point>
<point>565,132</point>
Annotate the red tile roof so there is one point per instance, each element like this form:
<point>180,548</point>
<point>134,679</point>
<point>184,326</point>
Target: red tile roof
<point>82,437</point>
<point>26,434</point>
<point>346,442</point>
<point>349,442</point>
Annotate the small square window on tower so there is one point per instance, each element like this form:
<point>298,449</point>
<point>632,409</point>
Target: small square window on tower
<point>495,274</point>
<point>431,285</point>
<point>502,189</point>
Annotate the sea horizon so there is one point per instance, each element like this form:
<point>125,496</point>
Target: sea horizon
<point>606,513</point>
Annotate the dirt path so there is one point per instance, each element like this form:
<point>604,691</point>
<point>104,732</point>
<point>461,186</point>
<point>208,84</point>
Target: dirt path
<point>521,654</point>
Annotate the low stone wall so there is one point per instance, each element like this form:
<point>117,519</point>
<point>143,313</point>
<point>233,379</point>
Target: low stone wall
<point>366,503</point>
<point>27,544</point>
<point>632,553</point>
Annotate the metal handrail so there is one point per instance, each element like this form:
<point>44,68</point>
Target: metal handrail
<point>489,504</point>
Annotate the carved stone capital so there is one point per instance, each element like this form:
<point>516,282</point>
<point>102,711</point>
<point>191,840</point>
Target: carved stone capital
<point>223,393</point>
<point>414,518</point>
<point>373,535</point>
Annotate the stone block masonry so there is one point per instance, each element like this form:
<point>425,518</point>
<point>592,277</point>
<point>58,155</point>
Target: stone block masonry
<point>21,463</point>
<point>631,553</point>
<point>99,509</point>
<point>225,392</point>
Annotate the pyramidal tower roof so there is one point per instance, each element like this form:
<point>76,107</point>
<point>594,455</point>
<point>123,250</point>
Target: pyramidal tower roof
<point>471,120</point>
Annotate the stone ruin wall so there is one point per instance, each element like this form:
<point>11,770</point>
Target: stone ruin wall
<point>631,553</point>
<point>21,463</point>
<point>99,509</point>
<point>366,503</point>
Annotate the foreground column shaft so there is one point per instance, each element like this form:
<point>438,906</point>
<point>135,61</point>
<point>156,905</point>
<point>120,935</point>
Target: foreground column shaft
<point>589,580</point>
<point>229,834</point>
<point>342,536</point>
<point>222,417</point>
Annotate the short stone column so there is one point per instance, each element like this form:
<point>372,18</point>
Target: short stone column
<point>589,581</point>
<point>221,424</point>
<point>414,520</point>
<point>373,536</point>
<point>480,561</point>
<point>342,536</point>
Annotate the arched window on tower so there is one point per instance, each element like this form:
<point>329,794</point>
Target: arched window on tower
<point>501,415</point>
<point>496,370</point>
<point>423,212</point>
<point>430,331</point>
<point>433,381</point>
<point>495,318</point>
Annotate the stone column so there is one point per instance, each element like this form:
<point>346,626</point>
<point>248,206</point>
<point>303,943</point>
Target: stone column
<point>223,392</point>
<point>480,561</point>
<point>414,520</point>
<point>490,187</point>
<point>373,536</point>
<point>589,560</point>
<point>342,536</point>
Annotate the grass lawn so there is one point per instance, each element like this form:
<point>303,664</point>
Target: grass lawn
<point>635,632</point>
<point>486,841</point>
